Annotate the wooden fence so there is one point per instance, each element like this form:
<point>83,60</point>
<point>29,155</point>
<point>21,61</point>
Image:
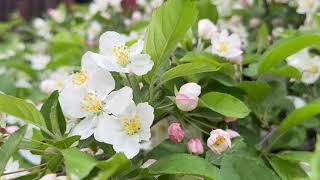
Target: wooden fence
<point>28,8</point>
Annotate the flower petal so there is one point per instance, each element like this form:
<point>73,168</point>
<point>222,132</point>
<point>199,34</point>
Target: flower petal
<point>129,145</point>
<point>100,81</point>
<point>70,100</point>
<point>145,112</point>
<point>140,64</point>
<point>109,129</point>
<point>108,40</point>
<point>85,128</point>
<point>137,47</point>
<point>117,101</point>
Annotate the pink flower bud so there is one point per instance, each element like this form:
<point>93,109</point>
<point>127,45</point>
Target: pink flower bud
<point>219,141</point>
<point>187,97</point>
<point>228,119</point>
<point>175,133</point>
<point>195,146</point>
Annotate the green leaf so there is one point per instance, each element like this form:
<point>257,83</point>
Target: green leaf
<point>207,10</point>
<point>263,38</point>
<point>113,166</point>
<point>10,147</point>
<point>184,164</point>
<point>78,164</point>
<point>189,69</point>
<point>203,56</point>
<point>298,116</point>
<point>65,142</point>
<point>64,40</point>
<point>286,47</point>
<point>200,56</point>
<point>295,118</point>
<point>166,147</point>
<point>286,71</point>
<point>52,112</point>
<point>223,79</point>
<point>315,162</point>
<point>287,170</point>
<point>168,26</point>
<point>256,90</point>
<point>300,156</point>
<point>244,163</point>
<point>224,104</point>
<point>66,57</point>
<point>23,110</point>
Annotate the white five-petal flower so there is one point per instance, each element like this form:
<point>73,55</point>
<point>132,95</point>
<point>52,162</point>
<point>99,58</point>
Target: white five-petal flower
<point>309,66</point>
<point>115,55</point>
<point>84,91</point>
<point>87,95</point>
<point>226,46</point>
<point>127,128</point>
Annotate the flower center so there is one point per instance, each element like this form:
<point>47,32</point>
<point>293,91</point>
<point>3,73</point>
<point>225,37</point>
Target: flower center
<point>220,140</point>
<point>92,103</point>
<point>59,84</point>
<point>310,3</point>
<point>313,69</point>
<point>122,54</point>
<point>131,124</point>
<point>224,47</point>
<point>80,77</point>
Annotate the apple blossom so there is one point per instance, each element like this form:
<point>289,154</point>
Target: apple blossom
<point>206,29</point>
<point>175,133</point>
<point>195,146</point>
<point>309,66</point>
<point>115,55</point>
<point>94,30</point>
<point>219,141</point>
<point>226,46</point>
<point>55,80</point>
<point>42,27</point>
<point>83,91</point>
<point>187,97</point>
<point>127,128</point>
<point>38,61</point>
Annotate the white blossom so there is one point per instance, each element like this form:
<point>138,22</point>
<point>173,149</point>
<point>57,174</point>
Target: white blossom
<point>115,55</point>
<point>225,45</point>
<point>127,128</point>
<point>309,66</point>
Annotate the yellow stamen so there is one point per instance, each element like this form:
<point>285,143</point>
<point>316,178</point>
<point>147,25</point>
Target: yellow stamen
<point>92,103</point>
<point>80,77</point>
<point>224,47</point>
<point>122,54</point>
<point>313,69</point>
<point>131,124</point>
<point>220,140</point>
<point>59,84</point>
